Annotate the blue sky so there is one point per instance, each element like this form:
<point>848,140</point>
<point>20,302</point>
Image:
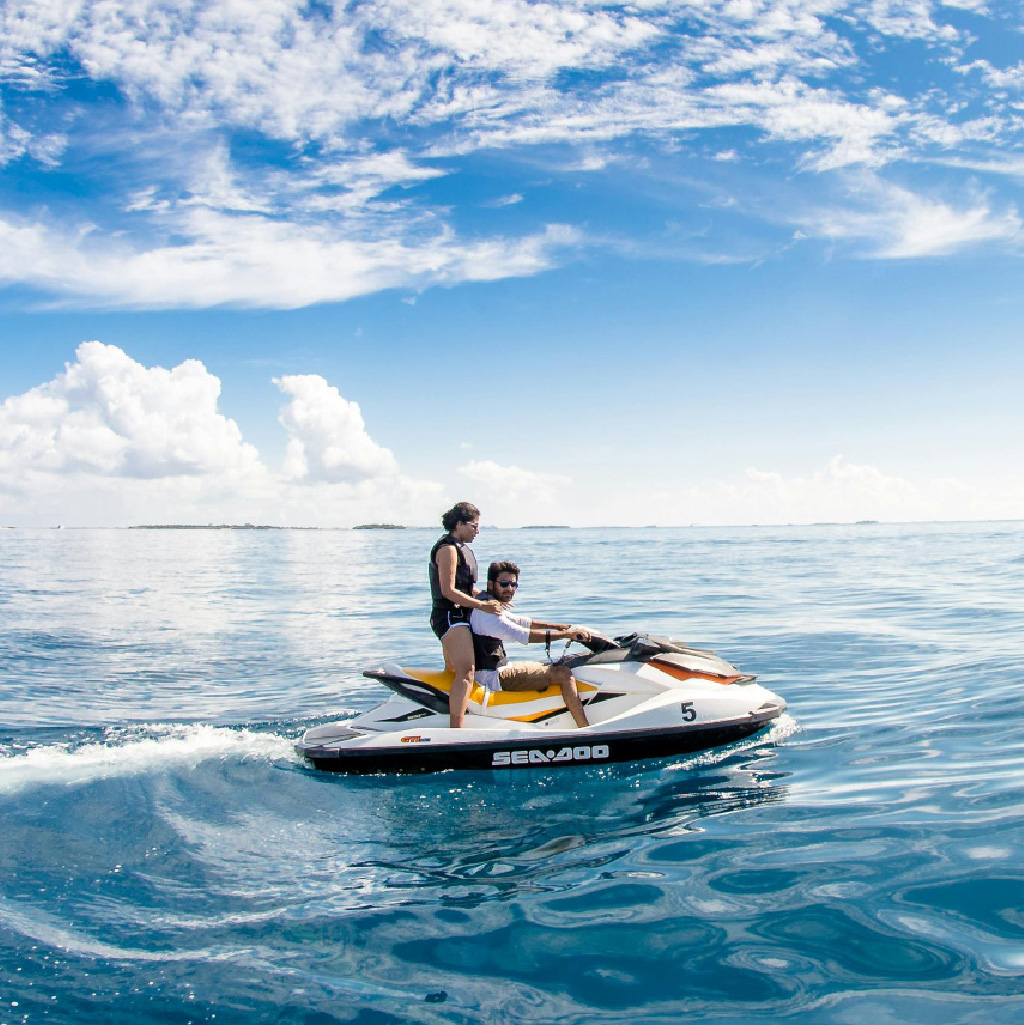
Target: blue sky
<point>590,263</point>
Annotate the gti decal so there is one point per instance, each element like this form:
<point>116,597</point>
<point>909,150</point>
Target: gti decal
<point>583,753</point>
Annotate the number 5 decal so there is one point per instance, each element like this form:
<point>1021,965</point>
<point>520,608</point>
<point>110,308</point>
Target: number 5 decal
<point>689,712</point>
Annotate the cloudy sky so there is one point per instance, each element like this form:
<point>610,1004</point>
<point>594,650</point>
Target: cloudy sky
<point>663,262</point>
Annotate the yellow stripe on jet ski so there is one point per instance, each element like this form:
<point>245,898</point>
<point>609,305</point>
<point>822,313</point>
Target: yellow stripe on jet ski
<point>443,681</point>
<point>513,697</point>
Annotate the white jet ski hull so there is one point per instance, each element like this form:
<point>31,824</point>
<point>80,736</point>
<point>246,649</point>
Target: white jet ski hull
<point>671,704</point>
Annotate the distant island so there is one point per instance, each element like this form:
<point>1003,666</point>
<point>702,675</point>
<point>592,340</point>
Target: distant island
<point>547,526</point>
<point>206,526</point>
<point>379,526</point>
<point>840,523</point>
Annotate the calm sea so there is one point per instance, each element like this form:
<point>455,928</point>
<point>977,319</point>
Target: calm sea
<point>165,858</point>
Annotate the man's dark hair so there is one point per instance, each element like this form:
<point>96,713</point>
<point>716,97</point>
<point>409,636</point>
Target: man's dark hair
<point>461,512</point>
<point>501,567</point>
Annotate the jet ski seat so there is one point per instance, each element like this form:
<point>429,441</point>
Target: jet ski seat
<point>431,688</point>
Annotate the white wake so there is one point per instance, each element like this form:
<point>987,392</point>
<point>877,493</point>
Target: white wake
<point>166,747</point>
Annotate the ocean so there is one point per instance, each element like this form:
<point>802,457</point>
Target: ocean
<point>166,858</point>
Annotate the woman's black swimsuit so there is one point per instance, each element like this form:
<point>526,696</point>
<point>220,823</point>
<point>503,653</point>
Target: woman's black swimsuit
<point>445,614</point>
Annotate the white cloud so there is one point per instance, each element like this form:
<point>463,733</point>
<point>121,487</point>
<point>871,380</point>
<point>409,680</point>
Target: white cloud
<point>840,492</point>
<point>13,140</point>
<point>393,499</point>
<point>535,40</point>
<point>935,229</point>
<point>291,73</point>
<point>847,492</point>
<point>511,495</point>
<point>327,437</point>
<point>252,260</point>
<point>898,224</point>
<point>107,414</point>
<point>512,199</point>
<point>907,18</point>
<point>1000,78</point>
<point>110,442</point>
<point>358,101</point>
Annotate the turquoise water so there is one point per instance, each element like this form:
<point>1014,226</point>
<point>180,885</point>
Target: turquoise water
<point>165,858</point>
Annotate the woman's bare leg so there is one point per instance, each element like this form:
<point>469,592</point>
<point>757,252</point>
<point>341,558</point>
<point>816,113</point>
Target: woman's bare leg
<point>458,654</point>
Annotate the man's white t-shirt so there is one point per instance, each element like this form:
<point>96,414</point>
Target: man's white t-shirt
<point>506,627</point>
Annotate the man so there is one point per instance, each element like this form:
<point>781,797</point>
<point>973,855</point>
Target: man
<point>493,669</point>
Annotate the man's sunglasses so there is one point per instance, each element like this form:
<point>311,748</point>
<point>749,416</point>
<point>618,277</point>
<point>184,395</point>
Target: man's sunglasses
<point>508,583</point>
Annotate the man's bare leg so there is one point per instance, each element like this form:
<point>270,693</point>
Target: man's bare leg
<point>562,675</point>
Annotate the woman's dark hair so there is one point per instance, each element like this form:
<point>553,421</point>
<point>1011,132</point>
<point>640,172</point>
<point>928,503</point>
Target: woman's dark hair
<point>461,512</point>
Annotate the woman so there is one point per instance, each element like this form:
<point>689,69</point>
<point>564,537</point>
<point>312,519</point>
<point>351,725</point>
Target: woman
<point>453,577</point>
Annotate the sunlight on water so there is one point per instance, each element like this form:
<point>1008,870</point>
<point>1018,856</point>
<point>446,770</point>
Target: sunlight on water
<point>166,856</point>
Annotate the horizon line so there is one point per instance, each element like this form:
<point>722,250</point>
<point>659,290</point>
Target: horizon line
<point>527,526</point>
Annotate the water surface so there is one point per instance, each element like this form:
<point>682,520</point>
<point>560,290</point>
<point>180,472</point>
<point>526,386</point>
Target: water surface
<point>166,858</point>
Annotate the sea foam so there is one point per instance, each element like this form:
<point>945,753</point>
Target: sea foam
<point>165,747</point>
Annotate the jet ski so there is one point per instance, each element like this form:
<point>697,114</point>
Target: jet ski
<point>644,696</point>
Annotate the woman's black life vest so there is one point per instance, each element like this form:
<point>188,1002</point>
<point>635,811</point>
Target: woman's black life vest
<point>465,573</point>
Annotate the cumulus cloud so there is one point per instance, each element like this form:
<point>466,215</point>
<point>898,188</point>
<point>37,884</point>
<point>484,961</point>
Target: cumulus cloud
<point>110,442</point>
<point>327,436</point>
<point>108,414</point>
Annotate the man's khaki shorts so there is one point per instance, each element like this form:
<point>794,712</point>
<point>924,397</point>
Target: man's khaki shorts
<point>525,676</point>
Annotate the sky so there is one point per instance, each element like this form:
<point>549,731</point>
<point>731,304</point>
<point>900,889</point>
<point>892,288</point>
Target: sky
<point>657,263</point>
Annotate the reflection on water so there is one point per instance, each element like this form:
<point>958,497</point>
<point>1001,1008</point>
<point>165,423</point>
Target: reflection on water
<point>166,857</point>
